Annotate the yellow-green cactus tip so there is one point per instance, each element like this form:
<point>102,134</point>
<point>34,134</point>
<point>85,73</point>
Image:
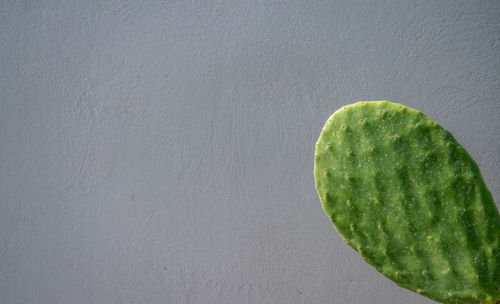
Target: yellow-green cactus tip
<point>411,201</point>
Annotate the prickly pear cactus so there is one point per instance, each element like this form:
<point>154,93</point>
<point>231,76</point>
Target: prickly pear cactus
<point>411,201</point>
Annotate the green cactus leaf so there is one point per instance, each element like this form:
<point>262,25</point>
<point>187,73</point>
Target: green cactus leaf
<point>411,201</point>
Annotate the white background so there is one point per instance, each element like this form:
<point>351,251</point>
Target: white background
<point>162,151</point>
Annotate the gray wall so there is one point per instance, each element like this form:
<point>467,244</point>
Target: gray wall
<point>162,151</point>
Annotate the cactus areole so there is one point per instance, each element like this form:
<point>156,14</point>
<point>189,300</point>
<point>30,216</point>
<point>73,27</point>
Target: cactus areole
<point>411,201</point>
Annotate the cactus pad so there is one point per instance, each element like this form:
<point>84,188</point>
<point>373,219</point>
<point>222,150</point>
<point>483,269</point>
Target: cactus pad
<point>411,201</point>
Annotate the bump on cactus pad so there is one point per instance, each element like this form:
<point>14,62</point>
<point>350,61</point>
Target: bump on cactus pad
<point>411,201</point>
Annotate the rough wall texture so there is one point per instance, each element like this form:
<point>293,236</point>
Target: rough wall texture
<point>162,151</point>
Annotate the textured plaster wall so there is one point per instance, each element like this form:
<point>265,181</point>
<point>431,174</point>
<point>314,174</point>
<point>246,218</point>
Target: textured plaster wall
<point>162,151</point>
